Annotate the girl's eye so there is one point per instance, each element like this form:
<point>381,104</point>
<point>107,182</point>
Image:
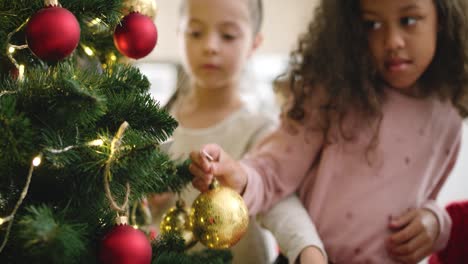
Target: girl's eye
<point>228,37</point>
<point>408,21</point>
<point>194,34</point>
<point>372,25</point>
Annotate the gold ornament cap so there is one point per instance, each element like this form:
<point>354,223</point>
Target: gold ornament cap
<point>214,184</point>
<point>121,220</point>
<point>180,204</point>
<point>51,3</point>
<point>146,7</point>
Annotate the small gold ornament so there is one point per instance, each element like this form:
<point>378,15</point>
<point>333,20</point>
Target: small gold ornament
<point>176,219</point>
<point>145,7</point>
<point>219,217</point>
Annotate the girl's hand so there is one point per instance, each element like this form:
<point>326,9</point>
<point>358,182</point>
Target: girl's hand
<point>415,234</point>
<point>311,255</point>
<point>211,161</point>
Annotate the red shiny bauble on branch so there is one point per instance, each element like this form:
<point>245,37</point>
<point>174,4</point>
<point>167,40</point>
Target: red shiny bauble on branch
<point>125,245</point>
<point>53,33</point>
<point>13,71</point>
<point>135,36</point>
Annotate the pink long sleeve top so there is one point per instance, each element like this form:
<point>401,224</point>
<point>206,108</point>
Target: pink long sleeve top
<point>350,190</point>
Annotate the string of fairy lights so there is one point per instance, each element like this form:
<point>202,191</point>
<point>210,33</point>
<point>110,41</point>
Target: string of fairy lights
<point>37,160</point>
<point>11,49</point>
<point>141,11</point>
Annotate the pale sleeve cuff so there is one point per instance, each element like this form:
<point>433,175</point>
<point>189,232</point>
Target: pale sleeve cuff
<point>292,227</point>
<point>445,224</point>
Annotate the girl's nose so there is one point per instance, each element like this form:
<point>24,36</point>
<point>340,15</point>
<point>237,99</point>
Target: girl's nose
<point>211,45</point>
<point>393,39</point>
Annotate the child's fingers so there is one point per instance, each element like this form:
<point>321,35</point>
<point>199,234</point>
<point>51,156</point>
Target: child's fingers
<point>403,220</point>
<point>407,233</point>
<point>198,173</point>
<point>409,247</point>
<point>416,256</point>
<point>200,161</point>
<point>211,161</point>
<point>213,151</point>
<point>200,184</point>
<point>201,179</point>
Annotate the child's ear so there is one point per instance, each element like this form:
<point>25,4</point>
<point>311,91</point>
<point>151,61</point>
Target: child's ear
<point>257,41</point>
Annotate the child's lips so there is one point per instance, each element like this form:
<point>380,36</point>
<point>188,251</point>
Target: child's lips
<point>209,66</point>
<point>397,65</point>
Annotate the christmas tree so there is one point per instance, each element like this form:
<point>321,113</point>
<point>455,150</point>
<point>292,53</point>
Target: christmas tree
<point>80,135</point>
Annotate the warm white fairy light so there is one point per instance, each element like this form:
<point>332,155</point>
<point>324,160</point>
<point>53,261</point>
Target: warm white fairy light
<point>37,161</point>
<point>93,143</point>
<point>58,151</point>
<point>95,21</point>
<point>6,219</point>
<point>11,48</point>
<point>113,57</point>
<point>96,143</point>
<point>34,163</point>
<point>88,50</point>
<point>21,72</point>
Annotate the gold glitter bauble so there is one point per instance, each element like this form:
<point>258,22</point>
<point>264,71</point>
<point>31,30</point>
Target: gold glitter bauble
<point>145,7</point>
<point>219,217</point>
<point>176,219</point>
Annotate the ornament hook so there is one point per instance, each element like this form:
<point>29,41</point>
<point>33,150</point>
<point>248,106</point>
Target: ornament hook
<point>214,183</point>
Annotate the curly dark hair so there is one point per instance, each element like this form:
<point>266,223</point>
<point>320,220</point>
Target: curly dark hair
<point>334,54</point>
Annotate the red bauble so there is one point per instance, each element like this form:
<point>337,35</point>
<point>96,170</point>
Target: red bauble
<point>135,36</point>
<point>53,33</point>
<point>125,245</point>
<point>152,234</point>
<point>14,72</point>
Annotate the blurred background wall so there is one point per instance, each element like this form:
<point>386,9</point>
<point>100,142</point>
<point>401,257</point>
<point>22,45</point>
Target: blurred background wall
<point>283,22</point>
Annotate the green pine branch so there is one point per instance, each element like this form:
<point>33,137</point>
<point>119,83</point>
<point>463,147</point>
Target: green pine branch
<point>170,249</point>
<point>70,112</point>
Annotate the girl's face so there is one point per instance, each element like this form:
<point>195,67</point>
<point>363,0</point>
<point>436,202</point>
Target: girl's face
<point>217,39</point>
<point>402,36</point>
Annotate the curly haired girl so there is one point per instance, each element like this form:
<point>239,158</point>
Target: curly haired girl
<point>371,132</point>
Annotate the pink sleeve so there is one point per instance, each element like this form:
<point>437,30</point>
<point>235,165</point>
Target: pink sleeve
<point>445,223</point>
<point>277,166</point>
